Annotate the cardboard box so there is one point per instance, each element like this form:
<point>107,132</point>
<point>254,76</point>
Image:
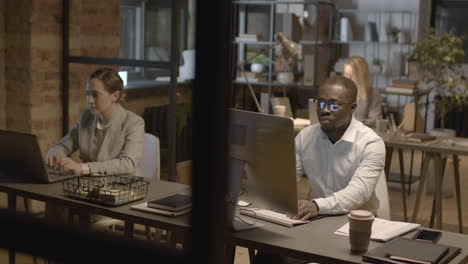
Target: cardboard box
<point>184,172</point>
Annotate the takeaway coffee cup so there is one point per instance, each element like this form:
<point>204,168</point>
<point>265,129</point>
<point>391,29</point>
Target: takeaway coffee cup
<point>360,227</point>
<point>279,110</point>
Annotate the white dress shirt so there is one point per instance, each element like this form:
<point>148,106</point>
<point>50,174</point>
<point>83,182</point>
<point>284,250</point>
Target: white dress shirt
<point>343,175</point>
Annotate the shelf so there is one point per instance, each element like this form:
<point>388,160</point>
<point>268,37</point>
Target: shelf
<point>313,43</point>
<point>376,11</point>
<point>271,43</point>
<point>275,83</point>
<point>267,2</point>
<point>253,42</point>
<point>417,94</point>
<point>370,42</point>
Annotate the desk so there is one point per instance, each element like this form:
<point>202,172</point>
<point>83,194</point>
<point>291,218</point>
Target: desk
<point>316,242</point>
<point>54,193</point>
<point>437,151</point>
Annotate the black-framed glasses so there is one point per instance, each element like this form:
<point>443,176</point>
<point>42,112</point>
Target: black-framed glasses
<point>333,106</point>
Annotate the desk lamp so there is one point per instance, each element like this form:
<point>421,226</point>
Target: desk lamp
<point>290,50</point>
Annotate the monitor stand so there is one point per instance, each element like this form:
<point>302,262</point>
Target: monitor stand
<point>236,170</point>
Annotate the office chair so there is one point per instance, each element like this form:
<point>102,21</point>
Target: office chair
<point>381,191</point>
<point>150,169</point>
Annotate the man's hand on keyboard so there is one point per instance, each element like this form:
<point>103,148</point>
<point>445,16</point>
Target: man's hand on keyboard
<point>307,210</point>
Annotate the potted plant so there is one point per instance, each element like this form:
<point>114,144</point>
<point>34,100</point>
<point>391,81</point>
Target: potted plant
<point>439,58</point>
<point>377,65</point>
<point>285,67</point>
<point>394,31</point>
<point>258,62</point>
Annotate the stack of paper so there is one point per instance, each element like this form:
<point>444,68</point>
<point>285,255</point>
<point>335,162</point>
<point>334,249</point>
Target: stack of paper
<point>383,230</point>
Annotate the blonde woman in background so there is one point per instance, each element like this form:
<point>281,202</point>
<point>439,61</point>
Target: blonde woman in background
<point>369,103</point>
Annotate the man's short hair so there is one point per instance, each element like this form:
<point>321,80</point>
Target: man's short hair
<point>344,82</point>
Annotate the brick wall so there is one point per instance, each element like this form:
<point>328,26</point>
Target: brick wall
<point>94,32</point>
<point>46,59</point>
<point>30,62</point>
<point>18,65</point>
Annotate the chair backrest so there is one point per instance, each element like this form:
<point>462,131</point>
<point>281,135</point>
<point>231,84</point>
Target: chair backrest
<point>150,161</point>
<point>409,114</point>
<point>313,111</point>
<point>282,101</point>
<point>381,191</point>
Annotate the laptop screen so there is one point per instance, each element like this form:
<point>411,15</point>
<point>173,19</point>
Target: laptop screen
<point>21,157</point>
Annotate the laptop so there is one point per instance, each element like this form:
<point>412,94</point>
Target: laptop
<point>21,160</point>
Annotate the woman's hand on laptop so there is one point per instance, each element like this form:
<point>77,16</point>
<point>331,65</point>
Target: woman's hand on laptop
<point>67,165</point>
<point>307,209</point>
<point>53,158</point>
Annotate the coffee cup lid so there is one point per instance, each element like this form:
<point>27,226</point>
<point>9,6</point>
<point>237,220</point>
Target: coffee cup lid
<point>361,214</point>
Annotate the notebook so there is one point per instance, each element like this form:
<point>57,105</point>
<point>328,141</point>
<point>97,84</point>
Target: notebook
<point>405,250</point>
<point>143,207</point>
<point>173,202</point>
<point>21,159</point>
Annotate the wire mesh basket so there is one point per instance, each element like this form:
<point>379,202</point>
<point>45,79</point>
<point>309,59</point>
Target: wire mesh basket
<point>108,190</point>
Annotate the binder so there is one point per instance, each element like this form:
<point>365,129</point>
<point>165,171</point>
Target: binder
<point>412,251</point>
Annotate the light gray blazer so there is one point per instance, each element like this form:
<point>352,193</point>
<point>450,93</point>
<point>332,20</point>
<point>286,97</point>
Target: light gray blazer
<point>122,146</point>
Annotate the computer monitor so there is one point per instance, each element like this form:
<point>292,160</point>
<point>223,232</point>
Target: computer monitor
<point>265,144</point>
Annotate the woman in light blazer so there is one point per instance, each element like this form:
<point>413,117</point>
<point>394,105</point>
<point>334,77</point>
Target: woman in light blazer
<point>109,138</point>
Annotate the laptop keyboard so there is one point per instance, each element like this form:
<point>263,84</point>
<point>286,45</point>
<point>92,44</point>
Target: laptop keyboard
<point>54,175</point>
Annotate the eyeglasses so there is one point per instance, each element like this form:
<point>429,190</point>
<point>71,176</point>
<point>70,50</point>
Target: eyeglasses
<point>332,106</point>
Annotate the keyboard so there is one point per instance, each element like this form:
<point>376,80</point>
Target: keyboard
<point>239,225</point>
<point>55,176</point>
<point>272,216</point>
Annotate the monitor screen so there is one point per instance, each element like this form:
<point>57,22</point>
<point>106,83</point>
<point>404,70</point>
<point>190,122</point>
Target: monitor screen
<point>266,145</point>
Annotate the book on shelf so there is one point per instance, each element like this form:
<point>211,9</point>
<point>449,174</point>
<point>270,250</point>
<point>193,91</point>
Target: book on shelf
<point>382,229</point>
<point>399,90</point>
<point>420,137</point>
<point>173,202</point>
<point>410,84</point>
<point>405,250</point>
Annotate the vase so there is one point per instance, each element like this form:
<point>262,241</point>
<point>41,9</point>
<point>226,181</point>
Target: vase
<point>257,67</point>
<point>285,77</point>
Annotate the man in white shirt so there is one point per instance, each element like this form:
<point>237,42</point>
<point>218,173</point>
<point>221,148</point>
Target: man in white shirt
<point>341,157</point>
